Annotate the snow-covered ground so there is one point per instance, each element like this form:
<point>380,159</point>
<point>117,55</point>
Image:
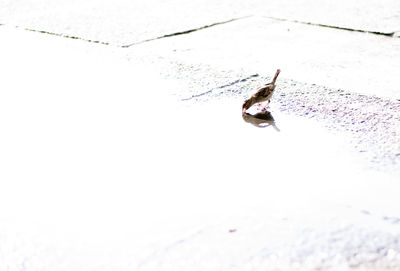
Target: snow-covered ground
<point>102,168</point>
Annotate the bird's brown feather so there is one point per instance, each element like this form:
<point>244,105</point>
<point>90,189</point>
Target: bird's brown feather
<point>263,94</point>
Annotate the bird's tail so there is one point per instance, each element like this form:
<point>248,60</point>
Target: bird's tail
<point>276,76</point>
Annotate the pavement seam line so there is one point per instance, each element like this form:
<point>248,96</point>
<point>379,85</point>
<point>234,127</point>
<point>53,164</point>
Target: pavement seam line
<point>387,34</point>
<point>135,43</point>
<point>220,87</point>
<point>184,32</point>
<point>62,35</point>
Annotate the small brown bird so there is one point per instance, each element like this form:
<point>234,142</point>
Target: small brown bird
<point>262,95</point>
